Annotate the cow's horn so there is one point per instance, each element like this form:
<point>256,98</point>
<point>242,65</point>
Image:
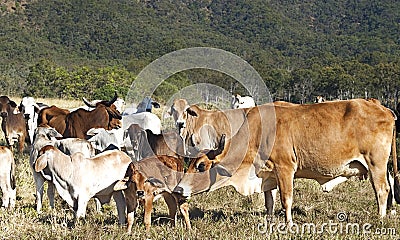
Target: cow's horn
<point>89,104</point>
<point>113,99</point>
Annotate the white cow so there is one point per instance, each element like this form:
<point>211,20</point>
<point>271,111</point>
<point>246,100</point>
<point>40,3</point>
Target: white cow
<point>77,179</point>
<point>242,102</point>
<point>30,109</point>
<point>47,136</point>
<point>145,120</point>
<point>7,177</point>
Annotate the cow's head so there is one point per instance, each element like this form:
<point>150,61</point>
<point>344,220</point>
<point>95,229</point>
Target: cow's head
<point>136,185</point>
<point>176,111</point>
<point>7,107</point>
<point>113,113</point>
<point>198,130</point>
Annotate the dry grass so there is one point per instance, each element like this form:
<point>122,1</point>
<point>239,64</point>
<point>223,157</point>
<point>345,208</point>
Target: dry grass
<point>222,214</point>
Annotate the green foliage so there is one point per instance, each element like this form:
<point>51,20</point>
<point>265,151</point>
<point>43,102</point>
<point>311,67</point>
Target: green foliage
<point>339,49</point>
<point>46,79</point>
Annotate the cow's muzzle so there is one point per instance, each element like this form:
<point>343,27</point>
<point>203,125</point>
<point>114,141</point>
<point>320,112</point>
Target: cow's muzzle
<point>3,114</point>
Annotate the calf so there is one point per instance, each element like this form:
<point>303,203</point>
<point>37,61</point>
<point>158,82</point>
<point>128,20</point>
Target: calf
<point>13,123</point>
<point>7,177</point>
<point>150,179</point>
<point>77,178</point>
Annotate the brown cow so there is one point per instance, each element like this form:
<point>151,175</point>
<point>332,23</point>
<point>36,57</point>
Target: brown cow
<point>13,123</point>
<point>149,179</point>
<point>105,115</point>
<point>322,141</point>
<point>53,117</point>
<point>158,175</point>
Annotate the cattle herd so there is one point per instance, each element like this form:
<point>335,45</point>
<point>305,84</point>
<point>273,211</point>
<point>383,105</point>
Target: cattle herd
<point>100,151</point>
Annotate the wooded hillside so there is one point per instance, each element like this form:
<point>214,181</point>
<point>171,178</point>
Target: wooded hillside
<point>338,49</point>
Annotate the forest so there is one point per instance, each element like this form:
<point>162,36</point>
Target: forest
<point>68,49</point>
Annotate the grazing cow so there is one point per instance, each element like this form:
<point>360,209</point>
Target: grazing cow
<point>77,178</point>
<point>105,115</point>
<point>149,179</point>
<point>13,123</point>
<point>7,177</point>
<point>145,120</point>
<point>323,141</point>
<point>31,109</point>
<point>48,136</point>
<point>177,109</point>
<point>145,143</point>
<point>242,102</point>
<point>102,139</point>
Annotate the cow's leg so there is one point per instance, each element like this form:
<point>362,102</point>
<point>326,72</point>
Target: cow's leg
<point>121,206</point>
<point>269,198</point>
<point>184,207</point>
<point>80,205</point>
<point>21,142</point>
<point>51,193</point>
<point>380,185</point>
<point>39,184</point>
<point>172,207</point>
<point>131,205</point>
<point>285,177</point>
<point>148,207</point>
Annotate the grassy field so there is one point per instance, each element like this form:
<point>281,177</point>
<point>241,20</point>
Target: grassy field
<point>348,212</point>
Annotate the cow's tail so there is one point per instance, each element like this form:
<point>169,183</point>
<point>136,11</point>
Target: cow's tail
<point>395,168</point>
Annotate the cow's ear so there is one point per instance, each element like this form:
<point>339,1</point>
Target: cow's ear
<point>122,184</point>
<point>155,182</point>
<point>13,104</point>
<point>221,170</point>
<point>41,163</point>
<point>155,104</point>
<point>191,111</point>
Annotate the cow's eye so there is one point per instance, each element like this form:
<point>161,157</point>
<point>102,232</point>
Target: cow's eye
<point>201,167</point>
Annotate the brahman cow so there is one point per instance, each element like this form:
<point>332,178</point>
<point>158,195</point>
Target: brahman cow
<point>145,143</point>
<point>105,115</point>
<point>325,142</point>
<point>177,109</point>
<point>48,136</point>
<point>7,178</point>
<point>13,123</point>
<point>149,179</point>
<point>242,102</point>
<point>77,178</point>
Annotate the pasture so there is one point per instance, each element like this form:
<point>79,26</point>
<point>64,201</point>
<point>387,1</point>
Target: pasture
<point>348,212</point>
